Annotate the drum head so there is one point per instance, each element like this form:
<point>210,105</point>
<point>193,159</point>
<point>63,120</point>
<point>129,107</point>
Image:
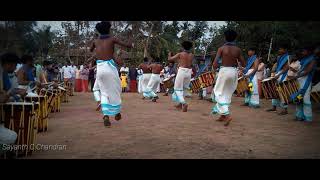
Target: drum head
<point>31,94</point>
<point>61,88</point>
<point>267,79</point>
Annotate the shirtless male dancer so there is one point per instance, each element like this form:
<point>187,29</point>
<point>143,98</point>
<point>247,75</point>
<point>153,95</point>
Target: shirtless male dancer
<point>182,81</point>
<point>107,72</point>
<point>151,90</point>
<point>227,79</point>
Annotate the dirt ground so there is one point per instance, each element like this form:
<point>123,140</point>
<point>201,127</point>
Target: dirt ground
<point>156,130</point>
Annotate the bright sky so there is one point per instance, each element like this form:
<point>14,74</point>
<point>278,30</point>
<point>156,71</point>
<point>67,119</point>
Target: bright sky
<point>56,25</point>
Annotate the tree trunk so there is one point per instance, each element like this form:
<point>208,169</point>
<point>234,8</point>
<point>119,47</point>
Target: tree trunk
<point>145,52</point>
<point>269,49</point>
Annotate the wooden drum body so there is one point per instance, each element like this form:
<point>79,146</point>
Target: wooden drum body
<point>315,93</point>
<point>269,88</point>
<point>286,89</point>
<point>21,117</point>
<point>195,85</point>
<point>206,79</point>
<point>43,119</point>
<point>242,85</point>
<point>168,83</point>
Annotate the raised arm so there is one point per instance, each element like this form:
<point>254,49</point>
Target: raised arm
<point>215,64</point>
<point>121,43</point>
<point>92,47</point>
<point>173,58</point>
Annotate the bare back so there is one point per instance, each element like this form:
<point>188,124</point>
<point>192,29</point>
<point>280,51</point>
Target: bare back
<point>156,68</point>
<point>104,48</point>
<point>145,68</point>
<point>230,56</point>
<point>184,59</point>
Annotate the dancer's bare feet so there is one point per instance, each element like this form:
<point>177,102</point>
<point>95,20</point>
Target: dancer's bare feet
<point>221,118</point>
<point>228,119</point>
<point>283,112</point>
<point>118,117</point>
<point>271,109</point>
<point>185,108</point>
<point>106,121</point>
<point>99,107</point>
<point>179,106</point>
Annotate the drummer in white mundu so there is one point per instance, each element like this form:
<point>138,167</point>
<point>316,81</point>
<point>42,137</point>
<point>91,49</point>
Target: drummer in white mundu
<point>281,71</point>
<point>304,77</point>
<point>8,65</point>
<point>9,80</point>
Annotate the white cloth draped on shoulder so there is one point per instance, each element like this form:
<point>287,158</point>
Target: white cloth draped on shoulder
<point>152,87</point>
<point>107,87</point>
<point>145,80</point>
<point>181,85</point>
<point>225,86</point>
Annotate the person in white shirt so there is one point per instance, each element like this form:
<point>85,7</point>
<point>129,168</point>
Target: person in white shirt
<point>261,73</point>
<point>67,74</point>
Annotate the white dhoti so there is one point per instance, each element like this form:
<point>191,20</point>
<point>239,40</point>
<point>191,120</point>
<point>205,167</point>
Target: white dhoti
<point>225,86</point>
<point>96,91</point>
<point>181,85</point>
<point>252,98</point>
<point>304,110</point>
<point>107,87</point>
<point>145,81</point>
<point>140,77</point>
<point>152,87</point>
<point>7,136</point>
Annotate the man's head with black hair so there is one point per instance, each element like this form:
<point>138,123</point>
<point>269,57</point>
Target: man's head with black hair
<point>9,62</point>
<point>187,45</point>
<point>251,51</point>
<point>103,27</point>
<point>145,59</point>
<point>283,48</point>
<point>157,59</point>
<point>230,35</point>
<point>48,64</point>
<point>27,59</point>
